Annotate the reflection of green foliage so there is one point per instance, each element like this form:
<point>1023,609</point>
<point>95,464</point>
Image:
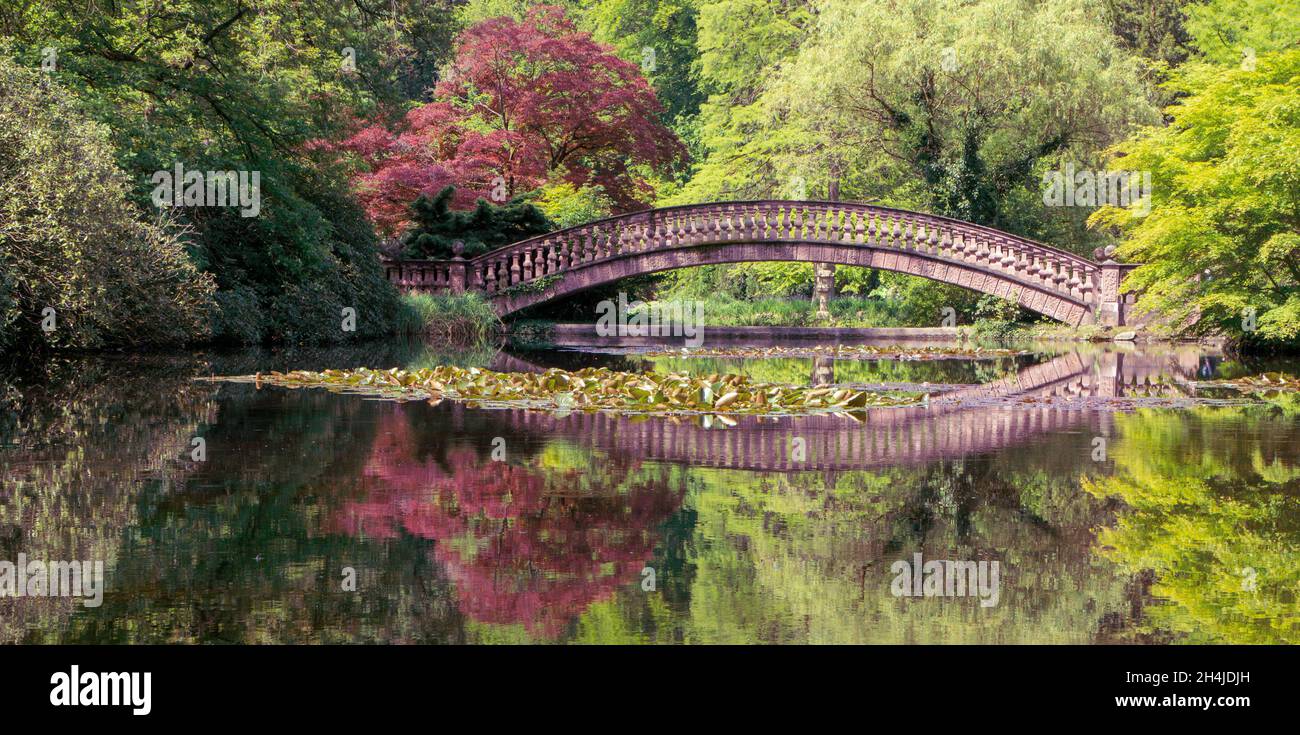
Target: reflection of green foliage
<point>1216,516</point>
<point>74,455</point>
<point>797,559</point>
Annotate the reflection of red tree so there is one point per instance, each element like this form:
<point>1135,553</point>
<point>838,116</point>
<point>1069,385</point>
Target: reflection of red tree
<point>521,545</point>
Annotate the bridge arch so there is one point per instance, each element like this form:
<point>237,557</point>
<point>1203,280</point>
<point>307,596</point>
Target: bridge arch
<point>1043,279</point>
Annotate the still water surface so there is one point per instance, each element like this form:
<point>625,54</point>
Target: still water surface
<point>1119,506</point>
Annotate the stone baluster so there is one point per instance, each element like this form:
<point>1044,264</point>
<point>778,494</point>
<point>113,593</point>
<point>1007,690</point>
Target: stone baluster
<point>1009,260</point>
<point>1022,263</point>
<point>1059,273</point>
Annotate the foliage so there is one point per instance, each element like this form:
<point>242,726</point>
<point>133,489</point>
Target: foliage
<point>71,241</point>
<point>1231,32</point>
<point>957,108</point>
<point>227,86</point>
<point>966,99</point>
<point>592,389</point>
<point>658,35</point>
<point>523,103</point>
<point>436,228</point>
<point>1220,247</point>
<point>1155,29</point>
<point>998,319</point>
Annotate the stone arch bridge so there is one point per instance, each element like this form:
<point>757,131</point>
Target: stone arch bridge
<point>1043,279</point>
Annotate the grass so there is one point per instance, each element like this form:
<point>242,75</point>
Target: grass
<point>799,312</point>
<point>466,319</point>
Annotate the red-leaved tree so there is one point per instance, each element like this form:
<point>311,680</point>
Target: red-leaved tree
<point>524,102</point>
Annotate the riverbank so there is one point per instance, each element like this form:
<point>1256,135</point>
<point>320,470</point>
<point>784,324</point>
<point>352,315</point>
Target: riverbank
<point>587,335</point>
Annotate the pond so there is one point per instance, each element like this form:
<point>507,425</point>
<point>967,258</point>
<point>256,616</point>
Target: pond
<point>1093,493</point>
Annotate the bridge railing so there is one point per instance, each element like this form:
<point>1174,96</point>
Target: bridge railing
<point>768,221</point>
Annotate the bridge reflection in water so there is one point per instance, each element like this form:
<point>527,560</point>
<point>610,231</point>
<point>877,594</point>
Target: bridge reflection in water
<point>1042,398</point>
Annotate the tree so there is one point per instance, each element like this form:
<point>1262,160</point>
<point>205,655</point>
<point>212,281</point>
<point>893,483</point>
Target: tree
<point>1221,246</point>
<point>1237,31</point>
<point>657,35</point>
<point>436,228</point>
<point>955,108</point>
<point>524,103</point>
<point>953,105</point>
<point>1154,30</point>
<point>78,265</point>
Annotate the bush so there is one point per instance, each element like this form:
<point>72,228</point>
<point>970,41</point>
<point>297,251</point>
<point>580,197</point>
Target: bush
<point>70,241</point>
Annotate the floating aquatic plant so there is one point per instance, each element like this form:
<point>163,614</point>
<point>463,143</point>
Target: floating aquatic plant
<point>591,389</point>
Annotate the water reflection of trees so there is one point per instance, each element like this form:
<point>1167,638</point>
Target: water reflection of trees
<point>78,440</point>
<point>450,546</point>
<point>1212,516</point>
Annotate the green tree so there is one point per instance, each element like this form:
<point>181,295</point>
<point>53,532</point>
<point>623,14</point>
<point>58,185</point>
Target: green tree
<point>438,228</point>
<point>1221,245</point>
<point>954,107</point>
<point>1236,31</point>
<point>1154,29</point>
<point>1214,513</point>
